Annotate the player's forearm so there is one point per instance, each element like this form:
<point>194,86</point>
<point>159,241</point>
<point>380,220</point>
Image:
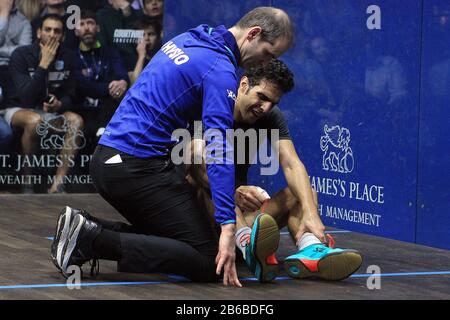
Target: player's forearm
<point>298,182</point>
<point>197,162</point>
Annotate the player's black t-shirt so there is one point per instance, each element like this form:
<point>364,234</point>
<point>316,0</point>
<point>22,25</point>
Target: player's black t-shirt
<point>273,120</point>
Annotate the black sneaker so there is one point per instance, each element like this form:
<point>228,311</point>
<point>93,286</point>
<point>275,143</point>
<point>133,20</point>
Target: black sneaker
<point>65,217</point>
<point>61,233</point>
<point>77,249</point>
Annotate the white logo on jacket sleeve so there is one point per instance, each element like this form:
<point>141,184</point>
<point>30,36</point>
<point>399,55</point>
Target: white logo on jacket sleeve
<point>231,95</point>
<point>173,52</point>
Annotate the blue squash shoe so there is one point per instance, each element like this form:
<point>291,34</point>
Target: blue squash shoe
<point>321,261</point>
<point>260,251</point>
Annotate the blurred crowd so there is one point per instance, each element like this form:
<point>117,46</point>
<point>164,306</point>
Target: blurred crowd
<point>62,79</point>
<point>57,78</point>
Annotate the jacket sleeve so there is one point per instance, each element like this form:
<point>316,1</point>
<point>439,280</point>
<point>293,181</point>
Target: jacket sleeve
<point>217,117</point>
<point>68,90</point>
<point>23,39</point>
<point>118,68</point>
<point>30,88</point>
<point>3,29</point>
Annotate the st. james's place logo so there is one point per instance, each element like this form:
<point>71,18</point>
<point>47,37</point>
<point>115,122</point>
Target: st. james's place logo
<point>338,158</point>
<point>55,132</point>
<point>338,155</point>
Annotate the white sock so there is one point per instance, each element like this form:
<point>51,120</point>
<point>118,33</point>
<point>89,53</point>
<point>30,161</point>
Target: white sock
<point>306,240</point>
<point>243,238</point>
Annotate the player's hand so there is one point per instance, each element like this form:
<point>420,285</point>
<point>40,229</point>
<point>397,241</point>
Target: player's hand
<point>124,6</point>
<point>227,255</point>
<point>52,107</point>
<point>250,198</point>
<point>311,223</point>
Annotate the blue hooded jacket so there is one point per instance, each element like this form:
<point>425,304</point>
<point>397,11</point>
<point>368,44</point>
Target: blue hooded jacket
<point>192,76</point>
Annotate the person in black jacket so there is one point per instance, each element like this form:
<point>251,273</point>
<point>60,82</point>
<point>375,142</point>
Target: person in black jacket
<point>102,79</point>
<point>44,83</point>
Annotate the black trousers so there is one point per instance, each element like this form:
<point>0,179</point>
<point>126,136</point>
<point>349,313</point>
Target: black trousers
<point>169,232</point>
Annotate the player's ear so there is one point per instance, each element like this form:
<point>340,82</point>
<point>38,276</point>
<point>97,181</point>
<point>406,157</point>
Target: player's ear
<point>244,85</point>
<point>253,33</point>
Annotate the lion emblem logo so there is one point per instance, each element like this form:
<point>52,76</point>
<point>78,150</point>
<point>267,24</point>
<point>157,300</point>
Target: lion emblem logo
<point>338,156</point>
<point>53,133</point>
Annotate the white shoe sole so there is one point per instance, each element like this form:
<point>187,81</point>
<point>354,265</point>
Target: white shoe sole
<point>61,235</point>
<point>72,242</point>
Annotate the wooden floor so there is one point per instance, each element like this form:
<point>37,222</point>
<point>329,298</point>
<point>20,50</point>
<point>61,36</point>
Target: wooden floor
<point>26,221</point>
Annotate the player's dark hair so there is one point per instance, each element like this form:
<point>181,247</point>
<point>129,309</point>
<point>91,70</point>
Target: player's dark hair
<point>88,14</point>
<point>51,16</point>
<point>275,72</point>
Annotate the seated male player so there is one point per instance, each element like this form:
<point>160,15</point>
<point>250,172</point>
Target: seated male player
<point>259,92</point>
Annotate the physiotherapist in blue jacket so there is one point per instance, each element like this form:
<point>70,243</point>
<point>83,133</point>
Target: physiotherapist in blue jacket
<point>192,76</point>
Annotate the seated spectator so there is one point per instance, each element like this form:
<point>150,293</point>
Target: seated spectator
<point>386,83</point>
<point>154,9</point>
<point>148,46</point>
<point>386,80</point>
<point>115,20</point>
<point>44,83</point>
<point>101,77</point>
<point>31,9</point>
<point>92,5</point>
<point>56,7</point>
<point>151,8</point>
<point>15,31</point>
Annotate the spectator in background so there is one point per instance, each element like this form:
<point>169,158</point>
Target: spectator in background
<point>331,92</point>
<point>15,31</point>
<point>92,5</point>
<point>154,9</point>
<point>340,74</point>
<point>338,20</point>
<point>151,8</point>
<point>101,77</point>
<point>57,7</point>
<point>31,9</point>
<point>113,20</point>
<point>43,76</point>
<point>385,78</point>
<point>148,46</point>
